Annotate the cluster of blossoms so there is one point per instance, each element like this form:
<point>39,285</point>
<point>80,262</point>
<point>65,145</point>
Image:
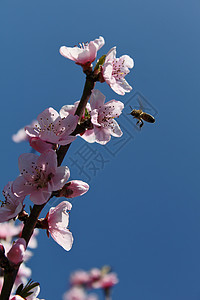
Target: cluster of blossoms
<point>15,251</point>
<point>41,176</point>
<point>81,282</point>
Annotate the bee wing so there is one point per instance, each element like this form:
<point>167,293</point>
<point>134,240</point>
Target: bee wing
<point>140,103</point>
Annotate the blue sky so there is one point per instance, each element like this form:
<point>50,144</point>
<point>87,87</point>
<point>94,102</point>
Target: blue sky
<point>142,213</point>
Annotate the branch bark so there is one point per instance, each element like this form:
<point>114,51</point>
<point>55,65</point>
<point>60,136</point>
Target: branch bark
<point>31,221</point>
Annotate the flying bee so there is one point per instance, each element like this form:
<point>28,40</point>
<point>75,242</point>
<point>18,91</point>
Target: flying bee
<point>141,116</point>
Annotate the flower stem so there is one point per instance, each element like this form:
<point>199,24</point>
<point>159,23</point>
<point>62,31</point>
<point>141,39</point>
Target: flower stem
<point>107,293</point>
<point>31,221</point>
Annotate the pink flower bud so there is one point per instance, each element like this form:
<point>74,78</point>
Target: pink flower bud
<point>17,252</point>
<point>73,189</point>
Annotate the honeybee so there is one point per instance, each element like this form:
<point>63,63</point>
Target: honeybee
<point>141,115</point>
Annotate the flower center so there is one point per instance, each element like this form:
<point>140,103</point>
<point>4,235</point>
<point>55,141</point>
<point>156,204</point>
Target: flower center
<point>119,69</point>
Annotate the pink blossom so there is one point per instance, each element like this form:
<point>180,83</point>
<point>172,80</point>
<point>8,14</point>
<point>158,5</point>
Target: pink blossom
<point>52,129</point>
<point>107,281</point>
<point>39,176</point>
<point>115,69</point>
<point>58,220</point>
<point>9,230</point>
<point>78,293</point>
<point>95,274</point>
<point>79,277</point>
<point>12,205</point>
<point>86,54</point>
<point>17,252</point>
<point>21,135</point>
<point>40,145</point>
<point>102,118</point>
<point>74,188</point>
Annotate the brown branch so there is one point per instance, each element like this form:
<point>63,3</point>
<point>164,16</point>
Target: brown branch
<point>31,221</point>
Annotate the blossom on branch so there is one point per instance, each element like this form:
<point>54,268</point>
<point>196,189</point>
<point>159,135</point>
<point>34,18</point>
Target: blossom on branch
<point>74,188</point>
<point>58,220</point>
<point>51,129</point>
<point>12,205</point>
<point>101,116</point>
<point>85,54</point>
<point>115,69</point>
<point>102,119</point>
<point>39,176</point>
<point>17,252</point>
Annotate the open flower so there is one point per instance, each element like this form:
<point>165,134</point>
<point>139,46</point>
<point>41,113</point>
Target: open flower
<point>58,220</point>
<point>102,118</point>
<point>52,129</point>
<point>115,69</point>
<point>12,205</point>
<point>86,54</point>
<point>39,176</point>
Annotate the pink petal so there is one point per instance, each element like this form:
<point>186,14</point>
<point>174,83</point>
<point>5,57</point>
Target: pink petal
<point>19,136</point>
<point>67,140</point>
<point>17,251</point>
<point>26,163</point>
<point>31,131</point>
<point>71,53</point>
<point>48,116</point>
<point>63,237</point>
<point>7,214</point>
<point>40,196</point>
<point>77,188</point>
<point>98,43</point>
<point>102,135</point>
<point>48,162</point>
<point>111,54</point>
<point>97,99</point>
<point>124,85</point>
<point>89,136</point>
<point>58,216</point>
<point>107,73</point>
<point>113,108</point>
<point>94,117</point>
<point>128,61</point>
<point>60,178</point>
<point>117,88</point>
<point>21,187</point>
<point>70,123</point>
<point>66,110</point>
<point>115,129</point>
<point>40,145</point>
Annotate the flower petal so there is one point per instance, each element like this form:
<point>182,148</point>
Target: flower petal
<point>115,129</point>
<point>27,163</point>
<point>63,237</point>
<point>39,197</point>
<point>60,178</point>
<point>102,135</point>
<point>97,99</point>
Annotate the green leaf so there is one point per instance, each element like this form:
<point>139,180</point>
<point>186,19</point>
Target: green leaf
<point>100,62</point>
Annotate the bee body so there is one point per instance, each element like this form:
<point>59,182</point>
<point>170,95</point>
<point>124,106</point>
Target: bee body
<point>141,116</point>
